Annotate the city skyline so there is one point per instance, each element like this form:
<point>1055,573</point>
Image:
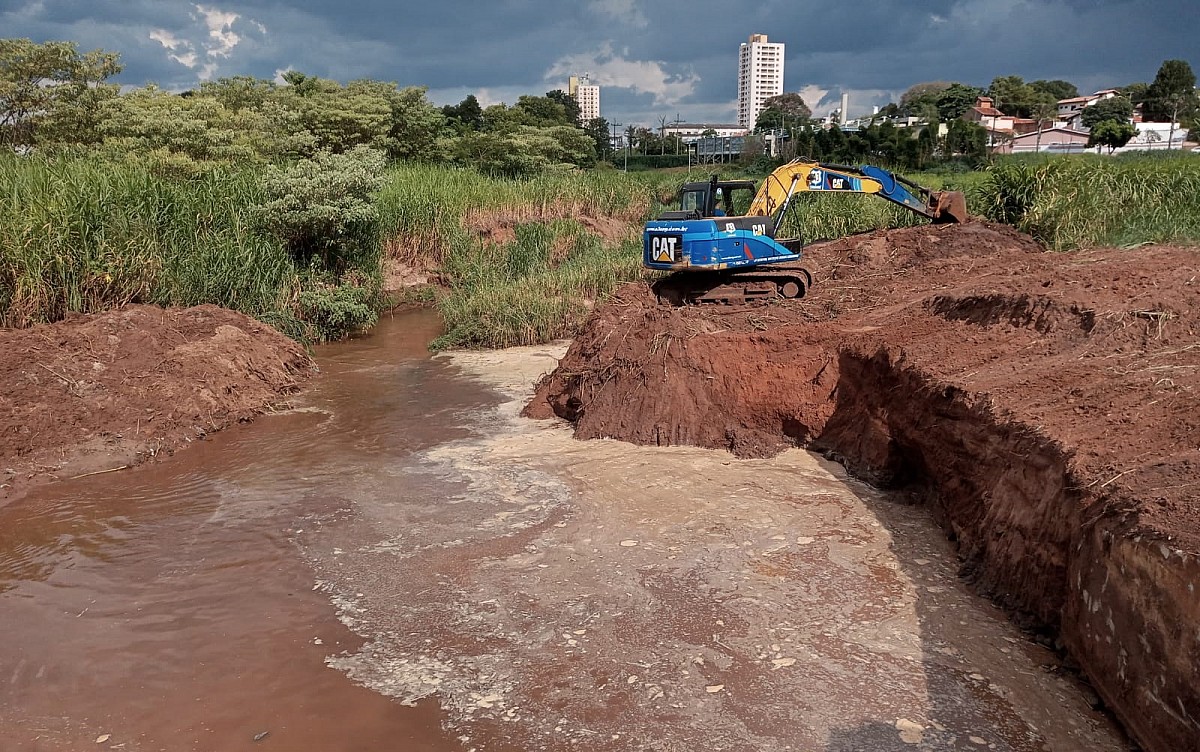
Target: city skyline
<point>651,61</point>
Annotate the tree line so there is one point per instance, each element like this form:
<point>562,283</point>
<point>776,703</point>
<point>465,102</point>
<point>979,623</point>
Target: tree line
<point>53,98</point>
<point>1171,97</point>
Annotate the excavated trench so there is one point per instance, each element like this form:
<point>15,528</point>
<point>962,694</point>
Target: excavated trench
<point>1042,407</point>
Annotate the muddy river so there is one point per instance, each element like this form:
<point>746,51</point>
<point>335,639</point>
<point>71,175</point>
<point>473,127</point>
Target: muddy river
<point>399,562</point>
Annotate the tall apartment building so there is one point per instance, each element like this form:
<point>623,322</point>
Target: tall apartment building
<point>760,75</point>
<point>587,96</point>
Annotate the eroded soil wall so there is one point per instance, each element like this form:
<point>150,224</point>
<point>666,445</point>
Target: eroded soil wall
<point>98,392</point>
<point>1044,406</point>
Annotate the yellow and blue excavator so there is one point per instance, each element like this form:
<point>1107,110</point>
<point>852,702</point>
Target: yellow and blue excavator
<point>720,256</point>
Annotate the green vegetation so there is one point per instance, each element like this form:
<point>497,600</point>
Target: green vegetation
<point>1076,202</point>
<point>83,234</point>
<point>518,260</point>
<point>533,289</point>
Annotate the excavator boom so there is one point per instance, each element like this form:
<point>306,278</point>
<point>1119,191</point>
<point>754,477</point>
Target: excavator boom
<point>801,175</point>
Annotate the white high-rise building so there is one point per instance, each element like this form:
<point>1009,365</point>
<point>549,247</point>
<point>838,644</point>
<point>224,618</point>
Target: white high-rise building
<point>587,96</point>
<point>760,76</point>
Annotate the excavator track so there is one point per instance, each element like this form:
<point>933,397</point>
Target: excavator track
<point>734,287</point>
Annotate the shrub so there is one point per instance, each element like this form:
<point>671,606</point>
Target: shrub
<point>337,311</point>
<point>322,208</point>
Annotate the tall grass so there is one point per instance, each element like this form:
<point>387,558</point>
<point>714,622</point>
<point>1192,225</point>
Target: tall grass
<point>83,235</point>
<point>1080,201</point>
<point>425,209</point>
<point>538,284</point>
<point>523,293</point>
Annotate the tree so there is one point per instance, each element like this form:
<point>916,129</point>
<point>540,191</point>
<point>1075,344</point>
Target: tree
<point>525,151</point>
<point>1135,92</point>
<point>1117,109</point>
<point>920,100</point>
<point>926,145</point>
<point>889,110</point>
<point>500,118</point>
<point>301,83</point>
<point>544,111</point>
<point>783,110</point>
<point>598,130</point>
<point>321,208</point>
<point>238,93</point>
<point>341,118</point>
<point>1057,89</point>
<point>1111,133</point>
<point>966,139</point>
<point>467,115</point>
<point>1044,112</point>
<point>1015,97</point>
<point>956,100</point>
<point>50,93</point>
<point>570,106</point>
<point>179,131</point>
<point>1172,94</point>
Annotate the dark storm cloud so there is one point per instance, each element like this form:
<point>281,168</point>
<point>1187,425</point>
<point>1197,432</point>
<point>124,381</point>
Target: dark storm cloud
<point>652,59</point>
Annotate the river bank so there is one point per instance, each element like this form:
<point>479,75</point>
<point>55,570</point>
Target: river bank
<point>1043,406</point>
<point>106,391</point>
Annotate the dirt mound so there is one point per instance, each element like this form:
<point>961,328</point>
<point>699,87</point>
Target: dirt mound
<point>95,392</point>
<point>1046,407</point>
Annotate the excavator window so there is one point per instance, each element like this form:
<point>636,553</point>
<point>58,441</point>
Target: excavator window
<point>692,201</point>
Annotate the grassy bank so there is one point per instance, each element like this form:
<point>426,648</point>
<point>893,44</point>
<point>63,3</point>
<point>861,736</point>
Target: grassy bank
<point>81,235</point>
<point>522,261</point>
<point>1088,200</point>
<point>519,261</point>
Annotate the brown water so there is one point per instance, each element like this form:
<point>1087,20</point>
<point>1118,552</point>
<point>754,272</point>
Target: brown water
<point>403,564</point>
<point>172,607</point>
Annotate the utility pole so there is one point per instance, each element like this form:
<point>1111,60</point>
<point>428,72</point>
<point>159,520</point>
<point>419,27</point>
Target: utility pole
<point>614,136</point>
<point>1174,116</point>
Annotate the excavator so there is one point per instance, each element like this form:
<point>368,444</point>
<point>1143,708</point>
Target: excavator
<point>718,256</point>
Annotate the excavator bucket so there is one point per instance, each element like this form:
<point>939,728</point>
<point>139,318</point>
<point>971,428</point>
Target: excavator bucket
<point>949,207</point>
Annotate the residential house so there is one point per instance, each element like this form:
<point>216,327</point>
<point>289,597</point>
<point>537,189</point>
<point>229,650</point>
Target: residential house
<point>1066,140</point>
<point>1069,109</point>
<point>1058,140</point>
<point>1000,127</point>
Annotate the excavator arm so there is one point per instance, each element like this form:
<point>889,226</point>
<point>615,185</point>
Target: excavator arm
<point>800,176</point>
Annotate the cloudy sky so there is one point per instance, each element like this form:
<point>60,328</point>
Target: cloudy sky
<point>652,59</point>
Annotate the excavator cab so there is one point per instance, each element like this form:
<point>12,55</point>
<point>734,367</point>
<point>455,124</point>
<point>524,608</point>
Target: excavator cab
<point>713,198</point>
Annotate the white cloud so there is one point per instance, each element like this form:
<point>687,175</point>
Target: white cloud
<point>202,48</point>
<point>625,11</point>
<point>179,50</point>
<point>643,76</point>
<point>814,97</point>
<point>220,30</point>
<point>823,101</point>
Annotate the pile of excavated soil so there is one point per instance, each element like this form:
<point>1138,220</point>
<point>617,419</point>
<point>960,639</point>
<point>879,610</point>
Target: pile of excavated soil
<point>103,391</point>
<point>1045,406</point>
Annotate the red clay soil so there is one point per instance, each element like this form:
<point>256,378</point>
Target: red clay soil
<point>1045,406</point>
<point>102,391</point>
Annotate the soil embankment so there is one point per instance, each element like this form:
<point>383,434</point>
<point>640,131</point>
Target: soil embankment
<point>94,393</point>
<point>1044,406</point>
